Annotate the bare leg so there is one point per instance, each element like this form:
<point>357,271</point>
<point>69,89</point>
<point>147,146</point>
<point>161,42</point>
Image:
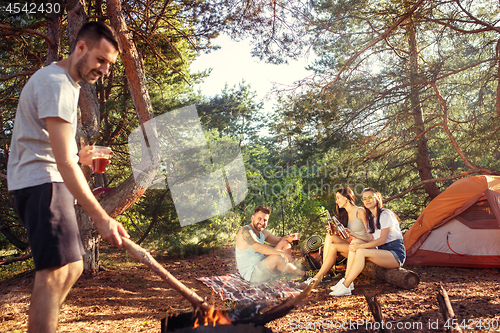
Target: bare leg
<point>350,256</point>
<point>331,257</point>
<point>51,287</point>
<point>350,259</point>
<point>275,261</point>
<point>329,240</point>
<point>289,268</point>
<point>284,246</point>
<point>380,258</point>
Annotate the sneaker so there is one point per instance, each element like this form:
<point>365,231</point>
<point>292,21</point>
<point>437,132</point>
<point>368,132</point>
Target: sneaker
<point>310,281</point>
<point>341,281</point>
<point>333,288</point>
<point>341,290</point>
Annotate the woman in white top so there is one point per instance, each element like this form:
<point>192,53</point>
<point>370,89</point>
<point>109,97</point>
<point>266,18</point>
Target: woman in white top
<point>385,250</point>
<point>354,219</point>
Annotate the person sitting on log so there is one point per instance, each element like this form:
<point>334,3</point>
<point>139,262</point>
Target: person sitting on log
<point>352,217</point>
<point>386,250</point>
<point>257,261</point>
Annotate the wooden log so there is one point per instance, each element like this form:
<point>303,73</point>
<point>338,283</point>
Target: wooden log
<point>447,311</point>
<point>376,311</point>
<point>142,255</point>
<point>400,277</point>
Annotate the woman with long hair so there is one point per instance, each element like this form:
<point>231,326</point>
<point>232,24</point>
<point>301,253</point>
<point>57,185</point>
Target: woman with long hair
<point>354,219</point>
<point>385,250</point>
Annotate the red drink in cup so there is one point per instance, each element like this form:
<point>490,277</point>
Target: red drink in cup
<point>100,158</point>
<point>99,164</point>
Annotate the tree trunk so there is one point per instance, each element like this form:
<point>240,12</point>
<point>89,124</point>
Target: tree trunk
<point>400,277</point>
<point>54,32</point>
<point>497,104</point>
<point>132,189</point>
<point>423,156</point>
<point>88,127</point>
<point>120,199</point>
<point>90,240</point>
<point>134,68</point>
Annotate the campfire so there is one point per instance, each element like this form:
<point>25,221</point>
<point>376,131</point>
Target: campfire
<point>212,318</point>
<point>246,319</point>
<point>235,320</point>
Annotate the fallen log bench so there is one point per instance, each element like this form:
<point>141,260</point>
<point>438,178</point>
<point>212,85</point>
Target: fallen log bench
<point>400,277</point>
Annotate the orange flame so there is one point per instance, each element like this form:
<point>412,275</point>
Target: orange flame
<point>213,317</point>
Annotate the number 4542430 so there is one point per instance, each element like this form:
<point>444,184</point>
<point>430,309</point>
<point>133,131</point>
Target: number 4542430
<point>33,8</point>
<point>472,324</point>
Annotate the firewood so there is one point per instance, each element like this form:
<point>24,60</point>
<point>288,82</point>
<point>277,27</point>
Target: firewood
<point>447,311</point>
<point>400,277</point>
<point>145,257</point>
<point>376,311</point>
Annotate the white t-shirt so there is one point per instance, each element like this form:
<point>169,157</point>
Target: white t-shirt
<point>388,220</point>
<point>50,92</point>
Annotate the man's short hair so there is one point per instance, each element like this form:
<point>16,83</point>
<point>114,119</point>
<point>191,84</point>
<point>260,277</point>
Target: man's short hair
<point>92,33</point>
<point>263,209</point>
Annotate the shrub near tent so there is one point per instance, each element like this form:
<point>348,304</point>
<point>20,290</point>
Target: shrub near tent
<point>460,227</point>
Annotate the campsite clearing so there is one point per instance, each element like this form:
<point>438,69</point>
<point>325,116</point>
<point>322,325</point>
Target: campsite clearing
<point>129,297</point>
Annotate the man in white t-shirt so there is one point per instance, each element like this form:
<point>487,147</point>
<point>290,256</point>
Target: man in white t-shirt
<point>44,175</point>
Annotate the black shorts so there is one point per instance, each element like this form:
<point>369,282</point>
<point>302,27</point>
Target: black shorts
<point>48,213</point>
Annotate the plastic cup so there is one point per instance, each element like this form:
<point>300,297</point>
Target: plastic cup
<point>100,158</point>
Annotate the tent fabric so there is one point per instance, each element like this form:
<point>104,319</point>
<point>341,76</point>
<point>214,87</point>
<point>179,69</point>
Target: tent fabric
<point>460,227</point>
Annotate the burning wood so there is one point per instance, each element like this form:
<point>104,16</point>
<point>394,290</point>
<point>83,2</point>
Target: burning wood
<point>212,318</point>
<point>192,321</point>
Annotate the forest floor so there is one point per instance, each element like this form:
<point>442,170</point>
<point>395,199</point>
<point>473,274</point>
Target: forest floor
<point>129,297</point>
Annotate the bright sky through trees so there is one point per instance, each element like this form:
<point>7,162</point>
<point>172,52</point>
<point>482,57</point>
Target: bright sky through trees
<point>233,63</point>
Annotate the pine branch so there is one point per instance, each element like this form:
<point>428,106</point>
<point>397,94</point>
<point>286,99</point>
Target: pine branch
<point>482,171</point>
<point>12,31</point>
<point>11,76</point>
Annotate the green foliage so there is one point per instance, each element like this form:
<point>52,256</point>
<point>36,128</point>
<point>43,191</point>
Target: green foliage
<point>232,113</point>
<point>365,112</point>
<point>360,127</point>
<point>10,270</point>
<point>156,213</point>
<point>286,190</point>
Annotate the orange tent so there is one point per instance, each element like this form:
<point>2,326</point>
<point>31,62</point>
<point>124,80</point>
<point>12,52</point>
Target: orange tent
<point>460,227</point>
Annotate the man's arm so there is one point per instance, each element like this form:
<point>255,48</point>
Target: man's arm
<point>272,239</point>
<point>60,134</point>
<point>250,239</point>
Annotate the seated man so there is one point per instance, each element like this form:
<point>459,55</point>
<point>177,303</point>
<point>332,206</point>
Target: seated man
<point>257,261</point>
